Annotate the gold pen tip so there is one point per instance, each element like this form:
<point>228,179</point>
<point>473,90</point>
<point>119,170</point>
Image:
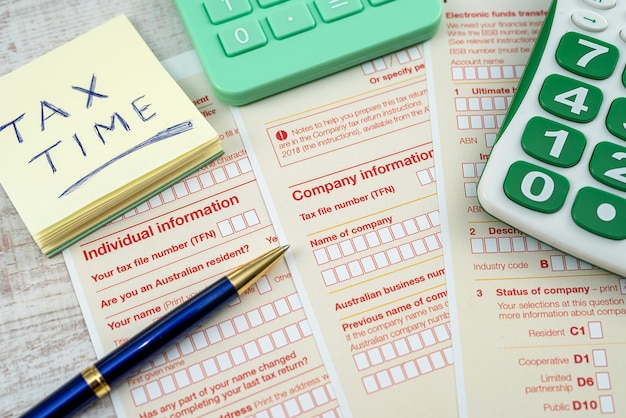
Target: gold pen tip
<point>244,276</point>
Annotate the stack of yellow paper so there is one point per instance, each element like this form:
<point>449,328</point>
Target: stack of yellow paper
<point>92,129</point>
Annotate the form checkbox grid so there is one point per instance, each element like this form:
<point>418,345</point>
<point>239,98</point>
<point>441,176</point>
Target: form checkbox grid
<point>205,178</point>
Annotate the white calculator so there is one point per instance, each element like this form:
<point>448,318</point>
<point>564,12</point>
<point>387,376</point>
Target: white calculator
<point>558,169</point>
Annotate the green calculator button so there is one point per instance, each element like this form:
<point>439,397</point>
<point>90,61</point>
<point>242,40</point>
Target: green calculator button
<point>535,187</point>
<point>379,2</point>
<point>245,36</point>
<point>616,118</point>
<point>587,56</point>
<point>290,20</point>
<point>570,99</point>
<point>332,10</point>
<point>608,165</point>
<point>221,11</point>
<point>553,142</point>
<point>600,212</point>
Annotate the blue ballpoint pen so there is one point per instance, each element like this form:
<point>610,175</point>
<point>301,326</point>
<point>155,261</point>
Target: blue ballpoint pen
<point>96,380</point>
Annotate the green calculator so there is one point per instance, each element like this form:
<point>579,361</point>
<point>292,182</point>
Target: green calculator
<point>251,49</point>
<point>558,168</point>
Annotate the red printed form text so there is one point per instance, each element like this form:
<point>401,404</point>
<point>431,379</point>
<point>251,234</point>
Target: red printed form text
<point>346,166</point>
<point>255,358</point>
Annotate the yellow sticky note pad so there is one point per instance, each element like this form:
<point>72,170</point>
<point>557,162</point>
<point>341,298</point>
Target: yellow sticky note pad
<point>92,129</point>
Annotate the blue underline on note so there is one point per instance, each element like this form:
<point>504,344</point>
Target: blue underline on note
<point>167,133</point>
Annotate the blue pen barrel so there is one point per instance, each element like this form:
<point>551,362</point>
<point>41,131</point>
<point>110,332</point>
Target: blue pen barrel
<point>126,358</point>
<point>115,366</point>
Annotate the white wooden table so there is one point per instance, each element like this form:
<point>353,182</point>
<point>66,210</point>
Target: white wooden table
<point>43,335</point>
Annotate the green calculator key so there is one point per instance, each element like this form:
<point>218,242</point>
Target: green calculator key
<point>587,56</point>
<point>251,49</point>
<point>290,21</point>
<point>570,99</point>
<point>600,212</point>
<point>535,188</point>
<point>608,165</point>
<point>332,10</point>
<point>244,37</point>
<point>553,142</point>
<point>616,118</point>
<point>223,11</point>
